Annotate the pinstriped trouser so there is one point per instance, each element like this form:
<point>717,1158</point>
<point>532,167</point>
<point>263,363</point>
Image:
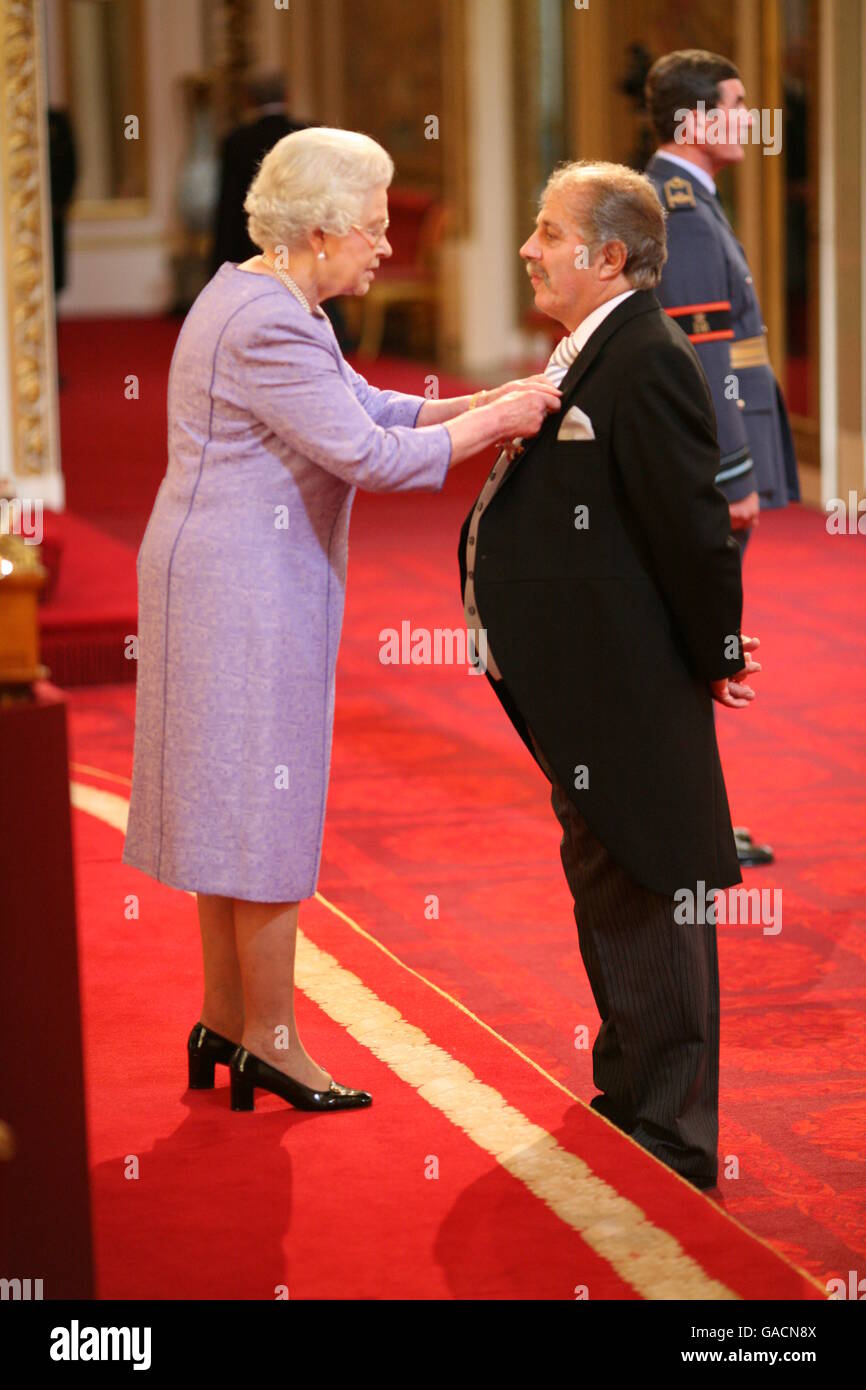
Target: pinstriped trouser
<point>656,986</point>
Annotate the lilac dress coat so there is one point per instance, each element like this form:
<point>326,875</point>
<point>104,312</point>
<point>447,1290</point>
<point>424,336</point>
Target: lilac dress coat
<point>241,583</point>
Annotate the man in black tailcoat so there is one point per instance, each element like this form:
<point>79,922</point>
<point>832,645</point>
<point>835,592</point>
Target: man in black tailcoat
<point>598,564</point>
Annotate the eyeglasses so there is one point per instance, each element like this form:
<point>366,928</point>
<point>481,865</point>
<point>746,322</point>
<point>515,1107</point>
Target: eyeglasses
<point>377,233</point>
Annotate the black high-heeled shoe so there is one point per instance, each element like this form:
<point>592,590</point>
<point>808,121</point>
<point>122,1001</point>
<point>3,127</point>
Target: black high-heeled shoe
<point>205,1048</point>
<point>247,1072</point>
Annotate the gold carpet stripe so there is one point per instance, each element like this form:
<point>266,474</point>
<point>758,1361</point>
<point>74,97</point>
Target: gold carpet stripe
<point>374,941</point>
<point>105,806</point>
<point>443,993</point>
<point>99,772</point>
<point>648,1258</point>
<point>645,1256</point>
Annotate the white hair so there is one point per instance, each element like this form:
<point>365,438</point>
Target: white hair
<point>314,178</point>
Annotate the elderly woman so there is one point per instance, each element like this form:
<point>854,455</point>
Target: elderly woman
<point>241,577</point>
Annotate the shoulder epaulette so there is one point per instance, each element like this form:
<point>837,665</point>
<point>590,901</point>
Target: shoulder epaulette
<point>679,193</point>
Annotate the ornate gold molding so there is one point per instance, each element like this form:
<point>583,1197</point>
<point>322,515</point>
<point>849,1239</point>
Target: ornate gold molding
<point>23,165</point>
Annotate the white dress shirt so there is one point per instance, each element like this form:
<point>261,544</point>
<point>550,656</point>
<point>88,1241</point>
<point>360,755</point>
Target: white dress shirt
<point>694,169</point>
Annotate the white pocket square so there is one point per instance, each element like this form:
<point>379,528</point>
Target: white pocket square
<point>576,425</point>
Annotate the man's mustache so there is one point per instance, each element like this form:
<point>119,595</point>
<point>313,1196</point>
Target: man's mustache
<point>533,269</point>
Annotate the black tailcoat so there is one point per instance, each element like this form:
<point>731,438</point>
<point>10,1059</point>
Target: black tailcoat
<point>607,633</point>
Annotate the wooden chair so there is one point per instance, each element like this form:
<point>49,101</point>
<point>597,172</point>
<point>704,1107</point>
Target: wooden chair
<point>410,276</point>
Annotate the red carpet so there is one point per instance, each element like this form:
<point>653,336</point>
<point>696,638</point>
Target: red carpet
<point>92,610</point>
<point>191,1200</point>
<point>432,793</point>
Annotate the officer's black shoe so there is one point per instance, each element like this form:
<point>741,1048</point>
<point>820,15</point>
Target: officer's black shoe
<point>749,854</point>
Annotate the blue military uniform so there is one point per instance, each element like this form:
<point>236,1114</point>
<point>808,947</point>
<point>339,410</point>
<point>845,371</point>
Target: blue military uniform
<point>707,288</point>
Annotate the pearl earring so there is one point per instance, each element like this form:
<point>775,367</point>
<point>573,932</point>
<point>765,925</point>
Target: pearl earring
<point>321,256</point>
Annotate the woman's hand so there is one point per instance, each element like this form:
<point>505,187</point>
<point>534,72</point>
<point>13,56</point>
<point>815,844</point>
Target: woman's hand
<point>516,414</point>
<point>524,383</point>
<point>520,414</point>
<point>438,412</point>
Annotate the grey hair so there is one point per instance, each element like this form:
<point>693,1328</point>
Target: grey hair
<point>610,202</point>
<point>314,178</point>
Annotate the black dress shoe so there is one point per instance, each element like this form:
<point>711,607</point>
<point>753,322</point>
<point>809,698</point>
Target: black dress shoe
<point>750,854</point>
<point>205,1049</point>
<point>705,1184</point>
<point>248,1072</point>
<point>605,1106</point>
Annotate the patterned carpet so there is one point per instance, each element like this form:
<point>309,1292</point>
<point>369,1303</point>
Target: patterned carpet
<point>433,794</point>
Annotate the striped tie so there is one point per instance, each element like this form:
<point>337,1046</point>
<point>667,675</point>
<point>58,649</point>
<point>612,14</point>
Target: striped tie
<point>560,360</point>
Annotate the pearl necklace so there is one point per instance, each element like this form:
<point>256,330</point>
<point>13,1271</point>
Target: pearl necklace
<point>288,282</point>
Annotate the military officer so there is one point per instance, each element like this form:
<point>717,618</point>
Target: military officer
<point>696,101</point>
